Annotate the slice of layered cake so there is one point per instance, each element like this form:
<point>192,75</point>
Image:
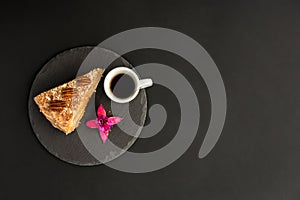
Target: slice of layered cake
<point>65,105</point>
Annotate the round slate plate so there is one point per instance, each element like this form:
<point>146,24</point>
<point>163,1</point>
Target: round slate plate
<point>63,68</point>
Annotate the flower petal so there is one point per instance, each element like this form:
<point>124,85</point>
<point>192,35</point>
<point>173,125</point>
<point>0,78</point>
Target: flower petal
<point>103,135</point>
<point>113,120</point>
<point>101,111</point>
<point>92,124</point>
<point>106,127</point>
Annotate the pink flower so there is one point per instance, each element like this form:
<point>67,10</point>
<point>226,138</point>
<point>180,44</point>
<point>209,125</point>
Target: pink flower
<point>103,123</point>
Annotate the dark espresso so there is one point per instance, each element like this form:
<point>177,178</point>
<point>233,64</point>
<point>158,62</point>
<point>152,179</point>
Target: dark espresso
<point>122,86</point>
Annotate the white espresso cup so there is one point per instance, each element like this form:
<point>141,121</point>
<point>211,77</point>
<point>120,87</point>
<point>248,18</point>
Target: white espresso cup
<point>129,83</point>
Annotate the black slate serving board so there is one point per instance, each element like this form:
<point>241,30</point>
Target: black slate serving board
<point>63,68</point>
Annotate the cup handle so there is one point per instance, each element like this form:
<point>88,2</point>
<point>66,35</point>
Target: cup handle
<point>145,83</point>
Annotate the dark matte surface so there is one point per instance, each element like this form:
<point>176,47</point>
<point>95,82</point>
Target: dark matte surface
<point>61,69</point>
<point>255,44</point>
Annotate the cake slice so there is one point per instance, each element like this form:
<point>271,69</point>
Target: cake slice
<point>65,105</point>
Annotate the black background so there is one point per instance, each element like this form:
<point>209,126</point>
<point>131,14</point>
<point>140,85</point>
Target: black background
<point>256,48</point>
